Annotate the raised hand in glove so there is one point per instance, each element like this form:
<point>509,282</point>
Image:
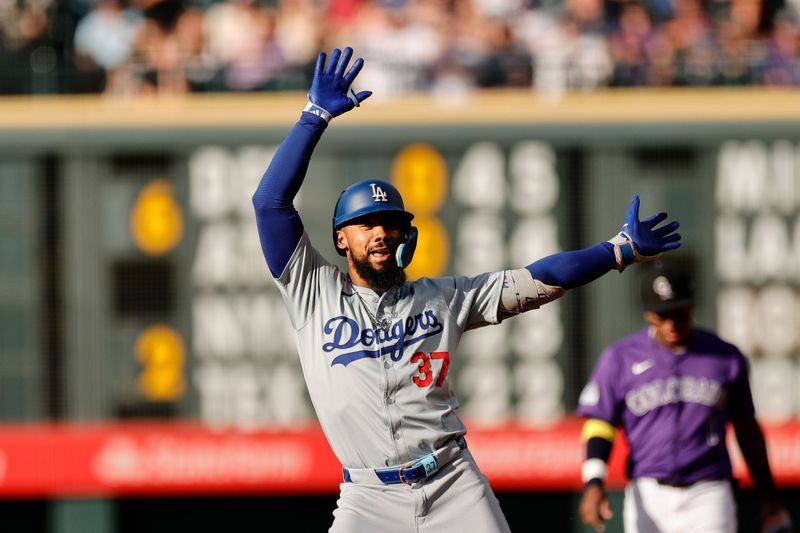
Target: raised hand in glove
<point>330,94</point>
<point>640,241</point>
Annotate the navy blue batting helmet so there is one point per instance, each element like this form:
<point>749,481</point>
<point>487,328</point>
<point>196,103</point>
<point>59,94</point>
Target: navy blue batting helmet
<point>364,198</point>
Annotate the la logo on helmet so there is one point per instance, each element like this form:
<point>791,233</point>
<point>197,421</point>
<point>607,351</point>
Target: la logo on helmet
<point>378,194</point>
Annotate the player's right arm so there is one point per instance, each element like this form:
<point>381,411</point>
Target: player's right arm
<point>600,404</point>
<point>279,225</point>
<point>598,437</point>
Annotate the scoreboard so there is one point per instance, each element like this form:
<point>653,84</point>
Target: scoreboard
<point>134,284</point>
<point>472,215</point>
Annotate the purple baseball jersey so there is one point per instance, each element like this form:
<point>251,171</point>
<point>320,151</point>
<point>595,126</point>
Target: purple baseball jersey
<point>673,406</point>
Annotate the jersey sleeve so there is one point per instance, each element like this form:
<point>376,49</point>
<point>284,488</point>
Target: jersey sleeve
<point>301,283</point>
<point>740,397</point>
<point>474,301</point>
<point>600,397</point>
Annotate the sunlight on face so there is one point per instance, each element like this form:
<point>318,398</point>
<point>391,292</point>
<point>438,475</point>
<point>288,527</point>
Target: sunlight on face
<point>371,242</point>
<point>373,238</point>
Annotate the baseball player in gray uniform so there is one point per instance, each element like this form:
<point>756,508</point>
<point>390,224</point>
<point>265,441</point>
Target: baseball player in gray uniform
<point>673,387</point>
<point>375,349</point>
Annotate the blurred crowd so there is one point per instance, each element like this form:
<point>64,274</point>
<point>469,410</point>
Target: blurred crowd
<point>447,47</point>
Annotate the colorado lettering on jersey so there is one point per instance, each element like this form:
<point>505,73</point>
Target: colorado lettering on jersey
<point>346,334</point>
<point>660,392</point>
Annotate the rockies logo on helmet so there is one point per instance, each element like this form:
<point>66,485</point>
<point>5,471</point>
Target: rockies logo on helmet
<point>663,288</point>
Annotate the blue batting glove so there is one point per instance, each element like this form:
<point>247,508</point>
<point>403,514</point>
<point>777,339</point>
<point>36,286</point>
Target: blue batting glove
<point>330,94</point>
<point>640,241</point>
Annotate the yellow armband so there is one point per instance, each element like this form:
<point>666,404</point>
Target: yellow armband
<point>598,436</point>
<point>594,427</point>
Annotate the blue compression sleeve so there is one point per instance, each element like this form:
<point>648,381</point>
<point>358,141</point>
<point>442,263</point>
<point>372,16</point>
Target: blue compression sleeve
<point>575,268</point>
<point>279,224</point>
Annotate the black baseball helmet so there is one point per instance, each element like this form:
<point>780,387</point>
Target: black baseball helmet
<point>666,287</point>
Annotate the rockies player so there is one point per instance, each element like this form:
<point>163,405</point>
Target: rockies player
<point>672,387</point>
<point>375,349</point>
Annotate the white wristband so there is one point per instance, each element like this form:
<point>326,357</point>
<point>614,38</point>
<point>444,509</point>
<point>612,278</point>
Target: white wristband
<point>314,109</point>
<point>594,469</point>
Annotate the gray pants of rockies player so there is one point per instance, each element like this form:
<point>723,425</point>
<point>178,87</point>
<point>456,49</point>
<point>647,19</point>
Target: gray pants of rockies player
<point>455,500</point>
<point>705,507</point>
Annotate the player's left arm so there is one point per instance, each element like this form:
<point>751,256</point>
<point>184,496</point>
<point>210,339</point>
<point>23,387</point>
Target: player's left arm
<point>754,450</point>
<point>753,445</point>
<point>549,278</point>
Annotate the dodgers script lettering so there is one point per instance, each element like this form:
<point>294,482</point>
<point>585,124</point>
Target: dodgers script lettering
<point>345,333</point>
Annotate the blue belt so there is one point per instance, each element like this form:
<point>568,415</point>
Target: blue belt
<point>420,469</point>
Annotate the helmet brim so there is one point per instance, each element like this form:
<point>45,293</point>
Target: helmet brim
<point>354,217</point>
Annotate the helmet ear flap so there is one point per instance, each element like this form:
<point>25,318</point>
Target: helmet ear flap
<point>405,252</point>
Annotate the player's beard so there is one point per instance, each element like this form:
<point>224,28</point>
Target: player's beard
<point>380,281</point>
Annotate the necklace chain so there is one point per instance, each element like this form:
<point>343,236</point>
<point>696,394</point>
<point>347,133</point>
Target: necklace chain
<point>384,320</point>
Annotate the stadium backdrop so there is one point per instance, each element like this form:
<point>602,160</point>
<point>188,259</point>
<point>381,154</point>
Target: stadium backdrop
<point>145,349</point>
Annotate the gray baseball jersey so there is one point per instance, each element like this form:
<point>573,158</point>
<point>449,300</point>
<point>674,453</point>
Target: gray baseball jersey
<point>376,367</point>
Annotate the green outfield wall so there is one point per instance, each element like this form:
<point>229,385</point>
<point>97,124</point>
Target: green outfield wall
<point>133,282</point>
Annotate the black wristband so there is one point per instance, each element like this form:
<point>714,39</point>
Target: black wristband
<point>598,448</point>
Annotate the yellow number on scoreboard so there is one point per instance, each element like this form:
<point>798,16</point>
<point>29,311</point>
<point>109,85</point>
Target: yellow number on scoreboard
<point>161,352</point>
